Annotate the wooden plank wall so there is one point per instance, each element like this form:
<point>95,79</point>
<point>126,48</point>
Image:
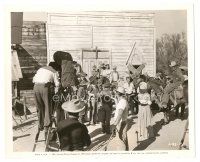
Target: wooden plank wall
<point>115,31</point>
<point>32,52</point>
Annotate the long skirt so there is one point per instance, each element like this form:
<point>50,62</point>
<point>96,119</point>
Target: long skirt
<point>145,129</point>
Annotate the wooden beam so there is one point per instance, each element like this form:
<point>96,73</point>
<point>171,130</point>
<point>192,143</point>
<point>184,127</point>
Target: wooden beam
<point>130,53</point>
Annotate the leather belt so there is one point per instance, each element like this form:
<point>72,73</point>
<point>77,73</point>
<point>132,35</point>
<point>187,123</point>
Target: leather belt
<point>143,104</point>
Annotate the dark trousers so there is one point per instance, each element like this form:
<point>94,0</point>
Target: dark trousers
<point>106,117</point>
<point>123,133</point>
<point>133,103</point>
<point>43,103</point>
<point>182,105</point>
<point>168,90</point>
<point>93,111</point>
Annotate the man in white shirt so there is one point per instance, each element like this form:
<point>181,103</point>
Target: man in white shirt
<point>105,70</point>
<point>45,79</point>
<point>114,77</point>
<point>121,116</point>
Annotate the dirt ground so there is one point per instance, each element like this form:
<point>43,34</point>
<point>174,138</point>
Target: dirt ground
<point>167,137</point>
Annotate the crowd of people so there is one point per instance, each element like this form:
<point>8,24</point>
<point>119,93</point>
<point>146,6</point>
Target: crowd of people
<point>95,98</point>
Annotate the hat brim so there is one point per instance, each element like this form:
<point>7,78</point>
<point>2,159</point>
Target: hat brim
<point>172,65</point>
<point>68,106</point>
<point>120,92</point>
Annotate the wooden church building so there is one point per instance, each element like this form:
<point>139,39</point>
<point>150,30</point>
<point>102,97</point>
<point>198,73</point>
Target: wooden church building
<point>104,37</point>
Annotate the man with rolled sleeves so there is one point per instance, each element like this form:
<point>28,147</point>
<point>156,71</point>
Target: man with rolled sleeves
<point>121,117</point>
<point>177,78</point>
<point>46,83</point>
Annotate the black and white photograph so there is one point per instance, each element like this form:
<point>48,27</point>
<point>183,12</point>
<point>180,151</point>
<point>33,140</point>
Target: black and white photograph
<point>100,81</point>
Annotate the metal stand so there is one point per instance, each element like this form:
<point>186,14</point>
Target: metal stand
<point>184,134</point>
<point>47,146</point>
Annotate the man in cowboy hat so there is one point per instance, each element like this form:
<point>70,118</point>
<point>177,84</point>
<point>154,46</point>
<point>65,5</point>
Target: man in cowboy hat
<point>105,111</point>
<point>177,78</point>
<point>121,116</point>
<point>72,134</point>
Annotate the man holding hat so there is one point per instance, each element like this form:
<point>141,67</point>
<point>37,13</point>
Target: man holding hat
<point>177,78</point>
<point>72,134</point>
<point>121,116</point>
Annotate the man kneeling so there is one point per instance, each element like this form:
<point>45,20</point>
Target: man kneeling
<point>73,135</point>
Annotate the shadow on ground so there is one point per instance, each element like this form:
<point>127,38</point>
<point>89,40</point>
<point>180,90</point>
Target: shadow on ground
<point>16,137</point>
<point>144,144</point>
<point>28,123</point>
<point>95,132</point>
<point>130,122</point>
<point>98,143</point>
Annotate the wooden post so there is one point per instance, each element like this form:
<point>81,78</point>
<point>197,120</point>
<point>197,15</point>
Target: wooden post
<point>24,103</point>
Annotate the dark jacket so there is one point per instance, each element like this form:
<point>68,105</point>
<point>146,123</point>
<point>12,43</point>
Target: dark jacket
<point>177,75</point>
<point>72,134</point>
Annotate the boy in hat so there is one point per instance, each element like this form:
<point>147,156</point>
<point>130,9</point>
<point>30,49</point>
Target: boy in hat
<point>72,134</point>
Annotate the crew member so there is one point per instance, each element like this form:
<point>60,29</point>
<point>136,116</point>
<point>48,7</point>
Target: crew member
<point>45,80</point>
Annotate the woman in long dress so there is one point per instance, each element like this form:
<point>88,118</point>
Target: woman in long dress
<point>145,129</point>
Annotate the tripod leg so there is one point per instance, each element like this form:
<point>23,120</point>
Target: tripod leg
<point>47,140</point>
<point>36,140</point>
<point>37,136</point>
<point>137,137</point>
<point>184,134</point>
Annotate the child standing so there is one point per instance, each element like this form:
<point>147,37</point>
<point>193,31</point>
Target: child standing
<point>145,129</point>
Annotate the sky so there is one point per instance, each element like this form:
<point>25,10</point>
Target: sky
<point>169,22</point>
